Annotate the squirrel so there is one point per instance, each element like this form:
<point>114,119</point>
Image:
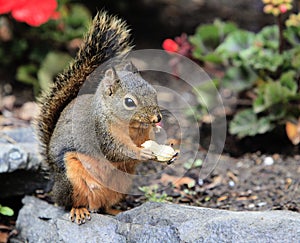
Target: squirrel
<point>91,141</point>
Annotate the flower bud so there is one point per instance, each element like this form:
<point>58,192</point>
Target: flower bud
<point>170,45</point>
<point>283,8</point>
<point>275,11</point>
<point>268,8</point>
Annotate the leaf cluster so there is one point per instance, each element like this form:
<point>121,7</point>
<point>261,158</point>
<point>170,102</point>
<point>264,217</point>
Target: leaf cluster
<point>253,63</point>
<point>152,194</point>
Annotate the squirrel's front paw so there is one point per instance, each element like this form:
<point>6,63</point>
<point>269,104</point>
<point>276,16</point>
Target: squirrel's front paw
<point>79,215</point>
<point>146,154</point>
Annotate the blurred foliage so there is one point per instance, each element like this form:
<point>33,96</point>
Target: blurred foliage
<point>6,211</point>
<point>191,163</point>
<point>152,194</point>
<point>208,37</point>
<point>255,64</point>
<point>37,54</point>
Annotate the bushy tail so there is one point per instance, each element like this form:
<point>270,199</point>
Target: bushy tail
<point>107,37</point>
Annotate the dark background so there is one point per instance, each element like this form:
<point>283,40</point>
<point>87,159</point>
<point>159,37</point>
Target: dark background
<point>153,21</point>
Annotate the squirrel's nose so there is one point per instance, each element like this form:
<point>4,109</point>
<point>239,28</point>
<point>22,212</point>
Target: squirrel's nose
<point>156,118</point>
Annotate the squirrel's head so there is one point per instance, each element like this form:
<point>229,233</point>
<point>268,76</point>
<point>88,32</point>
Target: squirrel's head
<point>127,97</point>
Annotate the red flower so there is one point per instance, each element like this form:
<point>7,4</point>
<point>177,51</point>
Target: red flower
<point>7,5</point>
<point>32,12</point>
<point>170,45</point>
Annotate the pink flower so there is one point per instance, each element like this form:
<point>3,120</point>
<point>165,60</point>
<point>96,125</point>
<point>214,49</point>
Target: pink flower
<point>283,8</point>
<point>170,45</point>
<point>32,12</point>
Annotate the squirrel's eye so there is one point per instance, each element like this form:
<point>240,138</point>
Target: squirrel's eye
<point>129,103</point>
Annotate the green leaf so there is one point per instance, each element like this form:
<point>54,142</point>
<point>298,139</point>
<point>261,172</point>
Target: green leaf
<point>79,16</point>
<point>246,123</point>
<point>54,63</point>
<point>295,56</point>
<point>263,55</point>
<point>72,23</point>
<point>261,59</point>
<point>277,113</point>
<point>235,42</point>
<point>207,198</point>
<point>6,211</point>
<point>259,103</point>
<point>152,195</point>
<point>207,94</point>
<point>208,37</point>
<point>288,81</point>
<point>266,59</point>
<point>239,78</point>
<point>198,162</point>
<point>191,184</point>
<point>188,165</point>
<point>193,164</point>
<point>26,74</point>
<point>276,92</point>
<point>212,57</point>
<point>292,34</point>
<point>268,38</point>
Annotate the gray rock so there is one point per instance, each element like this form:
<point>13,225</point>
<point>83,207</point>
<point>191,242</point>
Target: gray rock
<point>156,222</point>
<point>40,222</point>
<point>18,150</point>
<point>194,224</point>
<point>12,157</point>
<point>21,168</point>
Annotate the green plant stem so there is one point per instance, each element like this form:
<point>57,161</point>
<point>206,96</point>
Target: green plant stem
<point>280,30</point>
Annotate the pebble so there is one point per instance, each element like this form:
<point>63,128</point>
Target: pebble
<point>276,156</point>
<point>200,182</point>
<point>251,205</point>
<point>268,161</point>
<point>231,183</point>
<point>261,204</point>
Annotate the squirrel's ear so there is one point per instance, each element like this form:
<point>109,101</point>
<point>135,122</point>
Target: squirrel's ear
<point>111,81</point>
<point>130,67</point>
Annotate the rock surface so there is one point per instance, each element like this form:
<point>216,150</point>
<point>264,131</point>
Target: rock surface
<point>21,170</point>
<point>18,150</point>
<point>155,222</point>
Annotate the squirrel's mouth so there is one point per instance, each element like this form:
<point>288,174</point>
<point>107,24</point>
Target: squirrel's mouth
<point>143,125</point>
<point>145,122</point>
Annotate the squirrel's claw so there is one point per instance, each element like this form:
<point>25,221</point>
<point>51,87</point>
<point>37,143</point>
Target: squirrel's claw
<point>79,215</point>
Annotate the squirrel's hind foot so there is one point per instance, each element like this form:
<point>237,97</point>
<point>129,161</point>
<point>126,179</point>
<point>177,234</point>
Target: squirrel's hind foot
<point>79,215</point>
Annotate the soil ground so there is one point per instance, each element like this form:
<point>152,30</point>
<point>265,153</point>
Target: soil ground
<point>252,182</point>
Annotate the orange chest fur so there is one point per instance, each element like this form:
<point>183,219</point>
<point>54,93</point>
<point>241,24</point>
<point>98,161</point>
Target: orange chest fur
<point>97,184</point>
